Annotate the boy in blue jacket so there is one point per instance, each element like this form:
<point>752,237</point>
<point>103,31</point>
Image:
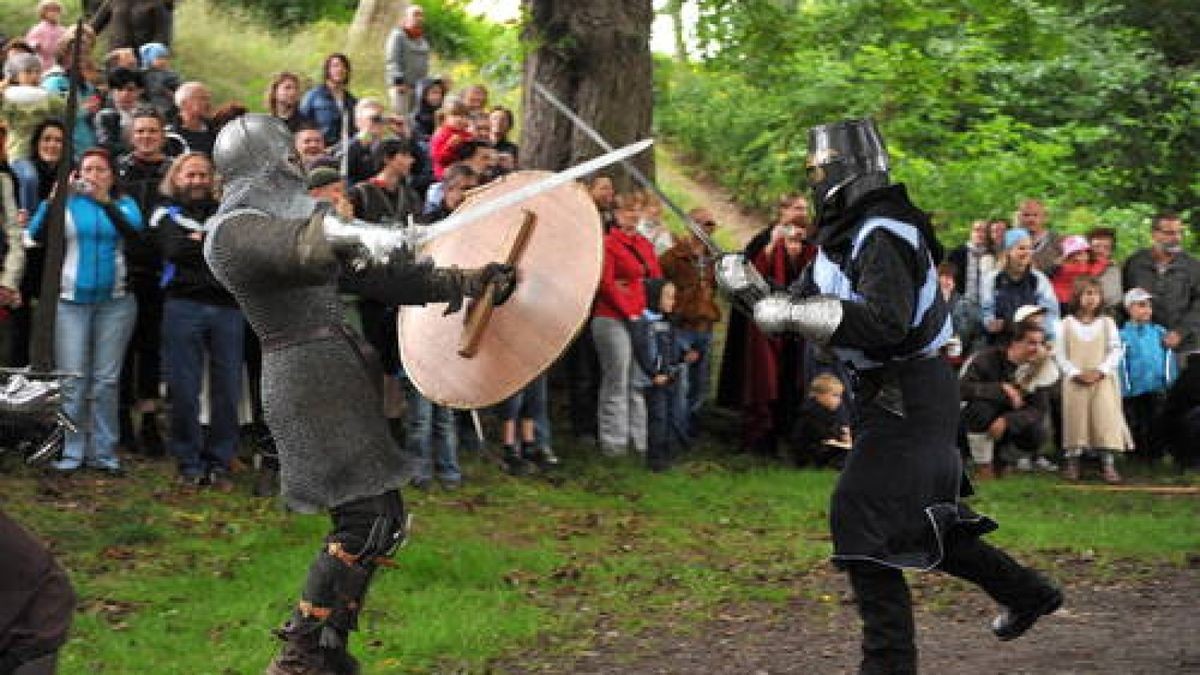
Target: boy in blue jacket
<point>1146,373</point>
<point>655,349</point>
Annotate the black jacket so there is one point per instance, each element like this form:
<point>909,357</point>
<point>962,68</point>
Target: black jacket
<point>186,274</point>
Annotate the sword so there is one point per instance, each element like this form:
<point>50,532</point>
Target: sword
<point>462,217</point>
<point>633,170</point>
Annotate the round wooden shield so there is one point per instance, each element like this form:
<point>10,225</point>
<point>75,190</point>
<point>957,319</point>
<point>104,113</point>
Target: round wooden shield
<point>558,269</point>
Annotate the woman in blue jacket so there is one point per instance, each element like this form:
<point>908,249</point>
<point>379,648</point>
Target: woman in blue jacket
<point>95,314</point>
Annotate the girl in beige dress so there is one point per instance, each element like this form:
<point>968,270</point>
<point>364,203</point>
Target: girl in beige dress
<point>1088,353</point>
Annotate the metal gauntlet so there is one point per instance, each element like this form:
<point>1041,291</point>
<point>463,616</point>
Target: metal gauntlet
<point>814,318</point>
<point>740,280</point>
<point>368,243</point>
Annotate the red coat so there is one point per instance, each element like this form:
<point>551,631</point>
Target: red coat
<point>1064,277</point>
<point>621,294</point>
<point>443,147</point>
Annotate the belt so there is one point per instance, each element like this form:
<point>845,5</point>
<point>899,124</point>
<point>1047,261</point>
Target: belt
<point>313,334</point>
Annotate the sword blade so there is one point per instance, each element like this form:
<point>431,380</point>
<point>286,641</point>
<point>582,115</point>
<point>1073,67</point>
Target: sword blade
<point>460,218</point>
<point>628,166</point>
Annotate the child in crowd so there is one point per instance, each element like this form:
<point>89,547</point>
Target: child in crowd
<point>1076,262</point>
<point>451,133</point>
<point>823,436</point>
<point>121,57</point>
<point>1147,372</point>
<point>47,32</point>
<point>654,346</point>
<point>526,412</point>
<point>963,315</point>
<point>1088,352</point>
<point>161,81</point>
<point>24,104</point>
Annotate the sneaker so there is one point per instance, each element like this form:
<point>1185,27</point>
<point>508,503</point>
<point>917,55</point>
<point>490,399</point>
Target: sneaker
<point>1012,624</point>
<point>1043,464</point>
<point>514,463</point>
<point>1024,465</point>
<point>1110,475</point>
<point>543,457</point>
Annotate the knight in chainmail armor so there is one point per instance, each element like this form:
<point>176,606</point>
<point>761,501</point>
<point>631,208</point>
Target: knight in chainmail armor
<point>871,301</point>
<point>280,253</point>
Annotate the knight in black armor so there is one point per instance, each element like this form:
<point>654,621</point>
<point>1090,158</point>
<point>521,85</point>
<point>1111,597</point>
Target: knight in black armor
<point>281,253</point>
<point>871,301</point>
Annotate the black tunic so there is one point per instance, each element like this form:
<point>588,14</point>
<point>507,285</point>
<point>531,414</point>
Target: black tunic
<point>898,495</point>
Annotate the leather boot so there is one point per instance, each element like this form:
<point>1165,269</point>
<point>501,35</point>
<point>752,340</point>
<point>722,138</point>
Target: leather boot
<point>303,654</point>
<point>885,605</point>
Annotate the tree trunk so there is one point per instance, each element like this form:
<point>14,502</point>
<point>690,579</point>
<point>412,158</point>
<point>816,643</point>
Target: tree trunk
<point>675,11</point>
<point>595,57</point>
<point>372,21</point>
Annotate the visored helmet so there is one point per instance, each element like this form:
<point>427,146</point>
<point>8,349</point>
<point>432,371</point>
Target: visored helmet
<point>255,144</point>
<point>845,160</point>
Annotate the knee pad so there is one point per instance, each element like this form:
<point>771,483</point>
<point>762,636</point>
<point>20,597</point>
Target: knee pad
<point>370,528</point>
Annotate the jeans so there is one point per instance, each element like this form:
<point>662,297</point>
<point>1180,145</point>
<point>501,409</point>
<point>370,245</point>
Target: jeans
<point>431,437</point>
<point>27,184</point>
<point>530,404</point>
<point>666,435</point>
<point>693,386</point>
<point>621,414</point>
<point>191,331</point>
<point>90,340</point>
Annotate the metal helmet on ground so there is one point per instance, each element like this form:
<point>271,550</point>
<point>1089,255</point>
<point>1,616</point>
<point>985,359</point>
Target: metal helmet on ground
<point>845,160</point>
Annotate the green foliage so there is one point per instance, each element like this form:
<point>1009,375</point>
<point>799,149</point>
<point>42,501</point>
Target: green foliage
<point>291,14</point>
<point>982,101</point>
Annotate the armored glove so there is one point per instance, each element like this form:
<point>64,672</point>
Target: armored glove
<point>814,318</point>
<point>22,396</point>
<point>504,276</point>
<point>370,244</point>
<point>741,281</point>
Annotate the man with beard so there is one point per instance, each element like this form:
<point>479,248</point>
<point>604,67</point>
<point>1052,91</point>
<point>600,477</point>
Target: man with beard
<point>140,173</point>
<point>281,253</point>
<point>202,323</point>
<point>872,299</point>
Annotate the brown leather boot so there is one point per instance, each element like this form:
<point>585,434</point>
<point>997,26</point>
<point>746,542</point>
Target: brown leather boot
<point>302,653</point>
<point>984,472</point>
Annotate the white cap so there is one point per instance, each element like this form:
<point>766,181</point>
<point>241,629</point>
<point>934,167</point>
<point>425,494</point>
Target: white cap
<point>1136,295</point>
<point>1025,311</point>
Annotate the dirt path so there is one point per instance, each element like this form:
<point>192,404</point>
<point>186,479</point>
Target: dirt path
<point>1119,627</point>
<point>742,224</point>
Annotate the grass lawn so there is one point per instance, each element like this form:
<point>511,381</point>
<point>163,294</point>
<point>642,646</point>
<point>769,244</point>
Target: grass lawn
<point>190,583</point>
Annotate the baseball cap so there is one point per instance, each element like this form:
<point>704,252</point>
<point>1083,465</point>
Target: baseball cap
<point>1136,295</point>
<point>1025,311</point>
<point>1074,244</point>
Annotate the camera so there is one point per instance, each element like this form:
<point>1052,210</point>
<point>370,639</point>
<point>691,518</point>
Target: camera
<point>81,186</point>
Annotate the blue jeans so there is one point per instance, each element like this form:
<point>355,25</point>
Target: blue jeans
<point>693,386</point>
<point>27,184</point>
<point>90,340</point>
<point>430,436</point>
<point>192,330</point>
<point>664,430</point>
<point>530,404</point>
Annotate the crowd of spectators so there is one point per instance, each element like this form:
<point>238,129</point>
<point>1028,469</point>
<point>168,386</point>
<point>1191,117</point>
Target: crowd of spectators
<point>1051,333</point>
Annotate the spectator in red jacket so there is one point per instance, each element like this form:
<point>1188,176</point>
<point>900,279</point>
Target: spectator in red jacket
<point>450,134</point>
<point>628,261</point>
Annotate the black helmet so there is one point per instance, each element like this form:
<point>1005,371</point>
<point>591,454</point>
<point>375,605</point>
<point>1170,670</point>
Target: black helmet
<point>845,160</point>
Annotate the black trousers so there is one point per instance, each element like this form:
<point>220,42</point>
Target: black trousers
<point>1141,412</point>
<point>885,604</point>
